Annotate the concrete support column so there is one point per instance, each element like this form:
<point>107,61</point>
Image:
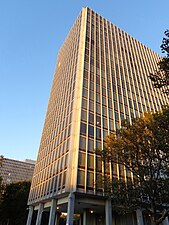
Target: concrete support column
<point>94,219</point>
<point>30,214</point>
<point>108,212</point>
<point>139,216</point>
<point>52,212</point>
<point>165,222</point>
<point>57,217</point>
<point>39,216</point>
<point>84,217</point>
<point>80,221</point>
<point>113,221</point>
<point>70,209</point>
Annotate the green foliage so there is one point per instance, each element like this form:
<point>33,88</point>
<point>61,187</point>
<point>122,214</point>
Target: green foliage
<point>142,150</point>
<point>13,208</point>
<point>1,190</point>
<point>160,78</point>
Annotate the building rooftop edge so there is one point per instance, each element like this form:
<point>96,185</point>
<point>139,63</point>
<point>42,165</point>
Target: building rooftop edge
<point>86,7</point>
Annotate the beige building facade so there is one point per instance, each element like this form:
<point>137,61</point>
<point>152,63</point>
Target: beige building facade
<point>101,78</point>
<point>13,171</point>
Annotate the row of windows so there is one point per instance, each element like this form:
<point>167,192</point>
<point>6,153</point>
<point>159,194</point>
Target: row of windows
<point>50,171</point>
<point>115,86</point>
<point>52,186</point>
<point>92,180</point>
<point>130,50</point>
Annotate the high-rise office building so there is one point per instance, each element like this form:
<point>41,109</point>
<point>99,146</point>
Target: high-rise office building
<point>13,171</point>
<point>101,78</point>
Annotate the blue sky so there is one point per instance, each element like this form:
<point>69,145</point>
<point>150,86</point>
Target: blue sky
<point>31,33</point>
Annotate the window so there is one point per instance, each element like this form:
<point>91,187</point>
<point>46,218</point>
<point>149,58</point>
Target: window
<point>98,164</point>
<point>98,133</point>
<point>84,103</point>
<point>91,131</point>
<point>90,145</point>
<point>91,118</point>
<point>90,179</point>
<point>81,178</point>
<point>82,160</point>
<point>91,106</point>
<point>83,128</point>
<point>90,162</point>
<point>98,121</point>
<point>82,144</point>
<point>84,115</point>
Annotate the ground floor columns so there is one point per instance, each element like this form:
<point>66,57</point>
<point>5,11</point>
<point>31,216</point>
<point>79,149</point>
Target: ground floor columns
<point>139,216</point>
<point>84,217</point>
<point>108,212</point>
<point>52,212</point>
<point>30,214</point>
<point>39,216</point>
<point>57,217</point>
<point>70,209</point>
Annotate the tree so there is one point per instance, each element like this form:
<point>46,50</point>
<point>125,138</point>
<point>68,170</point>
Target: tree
<point>1,190</point>
<point>160,78</point>
<point>13,208</point>
<point>142,151</point>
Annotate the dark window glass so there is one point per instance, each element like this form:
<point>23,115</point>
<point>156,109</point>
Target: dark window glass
<point>90,179</point>
<point>98,144</point>
<point>83,128</point>
<point>98,133</point>
<point>85,93</point>
<point>98,164</point>
<point>90,145</point>
<point>64,179</point>
<point>91,106</point>
<point>98,109</point>
<point>98,121</point>
<point>90,162</point>
<point>105,122</point>
<point>91,131</point>
<point>84,115</point>
<point>81,178</point>
<point>84,103</point>
<point>82,160</point>
<point>91,118</point>
<point>82,144</point>
<point>116,116</point>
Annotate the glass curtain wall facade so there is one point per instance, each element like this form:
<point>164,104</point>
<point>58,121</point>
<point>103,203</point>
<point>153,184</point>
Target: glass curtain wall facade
<point>51,167</point>
<point>101,78</point>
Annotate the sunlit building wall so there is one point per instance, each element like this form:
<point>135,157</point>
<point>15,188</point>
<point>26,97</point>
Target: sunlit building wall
<point>101,78</point>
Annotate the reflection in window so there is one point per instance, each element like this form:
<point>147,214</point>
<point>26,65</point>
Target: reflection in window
<point>82,159</point>
<point>98,164</point>
<point>90,180</point>
<point>81,178</point>
<point>90,162</point>
<point>82,143</point>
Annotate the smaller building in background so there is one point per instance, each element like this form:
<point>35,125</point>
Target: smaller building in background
<point>13,171</point>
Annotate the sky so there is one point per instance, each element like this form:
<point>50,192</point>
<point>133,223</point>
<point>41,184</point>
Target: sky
<point>31,33</point>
